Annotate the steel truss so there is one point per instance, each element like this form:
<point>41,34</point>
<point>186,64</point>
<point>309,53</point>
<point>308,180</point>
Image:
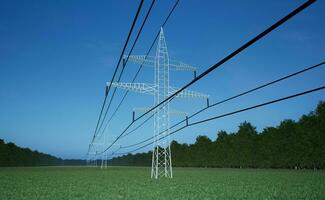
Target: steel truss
<point>161,156</point>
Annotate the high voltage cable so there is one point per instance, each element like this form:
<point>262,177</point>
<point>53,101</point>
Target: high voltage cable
<point>228,99</point>
<point>218,64</point>
<point>116,68</point>
<point>145,121</point>
<point>140,67</point>
<point>246,45</point>
<point>271,28</point>
<point>140,125</point>
<point>124,63</point>
<point>228,114</point>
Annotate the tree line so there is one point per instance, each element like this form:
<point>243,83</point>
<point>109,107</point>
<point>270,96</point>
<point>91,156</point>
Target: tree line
<point>12,156</point>
<point>291,144</point>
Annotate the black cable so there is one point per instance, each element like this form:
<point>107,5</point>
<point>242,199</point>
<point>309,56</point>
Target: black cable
<point>140,67</point>
<point>124,64</point>
<point>230,113</point>
<point>231,98</point>
<point>116,68</point>
<point>246,45</point>
<point>218,64</point>
<point>140,125</point>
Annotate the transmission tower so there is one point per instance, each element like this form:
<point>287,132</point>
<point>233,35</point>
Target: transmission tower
<point>161,156</point>
<point>96,155</point>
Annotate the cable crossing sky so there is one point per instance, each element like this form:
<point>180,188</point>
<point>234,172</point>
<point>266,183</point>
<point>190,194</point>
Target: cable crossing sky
<point>164,94</point>
<point>116,68</point>
<point>218,64</point>
<point>228,114</point>
<point>140,67</point>
<point>228,99</point>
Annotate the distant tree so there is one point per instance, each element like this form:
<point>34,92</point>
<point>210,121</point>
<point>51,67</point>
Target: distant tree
<point>202,152</point>
<point>245,145</point>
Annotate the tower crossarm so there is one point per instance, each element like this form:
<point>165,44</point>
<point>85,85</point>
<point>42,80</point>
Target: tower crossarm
<point>147,88</point>
<point>177,112</point>
<point>150,61</point>
<point>135,87</point>
<point>171,111</point>
<point>187,93</point>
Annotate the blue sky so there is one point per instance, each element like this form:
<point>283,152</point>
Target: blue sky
<point>56,56</point>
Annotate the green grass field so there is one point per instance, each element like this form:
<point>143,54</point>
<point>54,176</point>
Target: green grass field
<point>135,183</point>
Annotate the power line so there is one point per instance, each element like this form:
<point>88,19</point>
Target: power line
<point>246,45</point>
<point>231,113</point>
<point>228,99</point>
<point>116,68</point>
<point>124,63</point>
<point>140,67</point>
<point>218,64</point>
<point>139,126</point>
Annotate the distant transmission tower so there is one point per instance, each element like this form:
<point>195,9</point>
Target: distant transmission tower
<point>161,156</point>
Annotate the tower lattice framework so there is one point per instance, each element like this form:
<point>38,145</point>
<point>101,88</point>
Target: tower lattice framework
<point>161,155</point>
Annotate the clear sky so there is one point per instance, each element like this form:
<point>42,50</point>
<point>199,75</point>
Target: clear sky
<point>56,56</point>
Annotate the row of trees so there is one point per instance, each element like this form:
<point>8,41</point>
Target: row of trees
<point>292,144</point>
<point>12,155</point>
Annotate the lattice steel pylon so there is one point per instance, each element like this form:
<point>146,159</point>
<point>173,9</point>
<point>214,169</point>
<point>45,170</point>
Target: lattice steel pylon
<point>161,155</point>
